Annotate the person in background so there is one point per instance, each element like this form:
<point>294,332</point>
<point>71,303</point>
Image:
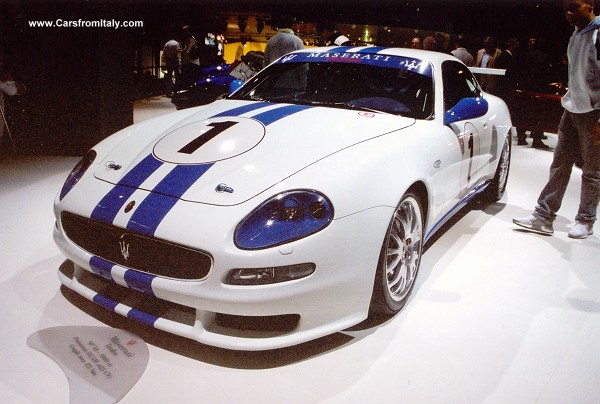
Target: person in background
<point>460,52</point>
<point>486,58</point>
<point>532,70</point>
<point>170,59</point>
<point>331,37</point>
<point>415,43</point>
<point>190,71</point>
<point>283,42</point>
<point>506,61</point>
<point>188,43</point>
<point>578,131</point>
<point>443,42</point>
<point>429,43</point>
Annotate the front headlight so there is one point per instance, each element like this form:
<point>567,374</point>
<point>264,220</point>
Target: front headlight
<point>77,173</point>
<point>286,217</point>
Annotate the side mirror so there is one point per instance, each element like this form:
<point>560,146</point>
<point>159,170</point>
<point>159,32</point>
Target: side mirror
<point>234,86</point>
<point>467,108</point>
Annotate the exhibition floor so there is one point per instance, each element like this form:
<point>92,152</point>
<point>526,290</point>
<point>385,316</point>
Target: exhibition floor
<point>497,315</point>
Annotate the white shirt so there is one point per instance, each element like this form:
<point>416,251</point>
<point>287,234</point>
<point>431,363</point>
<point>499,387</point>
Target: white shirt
<point>485,59</point>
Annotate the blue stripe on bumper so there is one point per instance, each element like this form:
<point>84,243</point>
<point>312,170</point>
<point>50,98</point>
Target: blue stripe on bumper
<point>101,267</point>
<point>140,281</point>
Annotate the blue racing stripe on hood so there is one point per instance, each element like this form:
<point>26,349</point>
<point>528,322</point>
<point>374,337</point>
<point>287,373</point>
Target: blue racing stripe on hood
<point>163,197</point>
<point>273,115</point>
<point>159,202</point>
<point>106,210</point>
<point>155,207</point>
<point>243,109</point>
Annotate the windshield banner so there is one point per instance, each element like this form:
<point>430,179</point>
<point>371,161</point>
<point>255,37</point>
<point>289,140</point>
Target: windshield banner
<point>367,56</point>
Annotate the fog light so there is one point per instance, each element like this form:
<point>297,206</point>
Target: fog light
<point>265,276</point>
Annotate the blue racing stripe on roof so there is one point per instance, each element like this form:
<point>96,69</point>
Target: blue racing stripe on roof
<point>106,210</point>
<point>140,281</point>
<point>243,109</point>
<point>163,197</point>
<point>273,115</point>
<point>371,49</point>
<point>340,49</point>
<point>101,267</point>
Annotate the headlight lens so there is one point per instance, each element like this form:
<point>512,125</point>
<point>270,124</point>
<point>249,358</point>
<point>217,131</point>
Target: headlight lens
<point>285,217</point>
<point>77,173</point>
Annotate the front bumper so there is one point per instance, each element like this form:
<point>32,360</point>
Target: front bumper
<point>336,296</point>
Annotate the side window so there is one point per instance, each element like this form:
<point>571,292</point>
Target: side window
<point>458,83</point>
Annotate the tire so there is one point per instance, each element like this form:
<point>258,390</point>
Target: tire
<point>400,258</point>
<point>495,190</point>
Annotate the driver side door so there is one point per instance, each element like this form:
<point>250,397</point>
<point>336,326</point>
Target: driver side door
<point>473,135</point>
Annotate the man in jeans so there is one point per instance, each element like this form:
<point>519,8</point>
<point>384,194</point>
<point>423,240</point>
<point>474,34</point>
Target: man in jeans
<point>579,129</point>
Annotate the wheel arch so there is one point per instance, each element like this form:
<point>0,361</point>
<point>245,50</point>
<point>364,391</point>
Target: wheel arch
<point>380,302</point>
<point>422,192</point>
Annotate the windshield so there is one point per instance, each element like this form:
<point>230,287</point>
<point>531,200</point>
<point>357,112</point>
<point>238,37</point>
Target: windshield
<point>381,83</point>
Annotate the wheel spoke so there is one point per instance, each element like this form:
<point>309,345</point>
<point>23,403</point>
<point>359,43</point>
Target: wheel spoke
<point>403,249</point>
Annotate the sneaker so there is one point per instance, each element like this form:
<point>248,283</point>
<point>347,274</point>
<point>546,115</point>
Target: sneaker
<point>521,142</point>
<point>535,224</point>
<point>581,230</point>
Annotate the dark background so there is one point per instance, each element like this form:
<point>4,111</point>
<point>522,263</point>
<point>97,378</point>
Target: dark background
<point>80,81</point>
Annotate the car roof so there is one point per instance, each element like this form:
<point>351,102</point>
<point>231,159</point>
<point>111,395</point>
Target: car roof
<point>424,55</point>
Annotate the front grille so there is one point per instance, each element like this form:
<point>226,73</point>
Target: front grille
<point>135,251</point>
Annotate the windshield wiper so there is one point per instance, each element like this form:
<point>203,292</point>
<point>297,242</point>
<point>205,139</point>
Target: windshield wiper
<point>350,105</point>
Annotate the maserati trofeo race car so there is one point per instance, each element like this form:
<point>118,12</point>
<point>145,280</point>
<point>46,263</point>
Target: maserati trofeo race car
<point>291,209</point>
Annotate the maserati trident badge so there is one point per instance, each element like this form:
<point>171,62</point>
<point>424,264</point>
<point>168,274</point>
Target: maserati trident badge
<point>124,245</point>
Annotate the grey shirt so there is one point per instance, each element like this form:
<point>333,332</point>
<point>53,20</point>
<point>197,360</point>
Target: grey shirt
<point>285,41</point>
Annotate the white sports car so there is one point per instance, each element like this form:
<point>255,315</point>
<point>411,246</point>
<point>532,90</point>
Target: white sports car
<point>292,208</point>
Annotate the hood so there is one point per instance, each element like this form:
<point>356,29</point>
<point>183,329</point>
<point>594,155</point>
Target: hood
<point>230,151</point>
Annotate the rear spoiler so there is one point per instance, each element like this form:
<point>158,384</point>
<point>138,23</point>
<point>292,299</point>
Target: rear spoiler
<point>485,70</point>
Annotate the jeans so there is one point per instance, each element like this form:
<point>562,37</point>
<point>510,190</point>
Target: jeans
<point>575,144</point>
